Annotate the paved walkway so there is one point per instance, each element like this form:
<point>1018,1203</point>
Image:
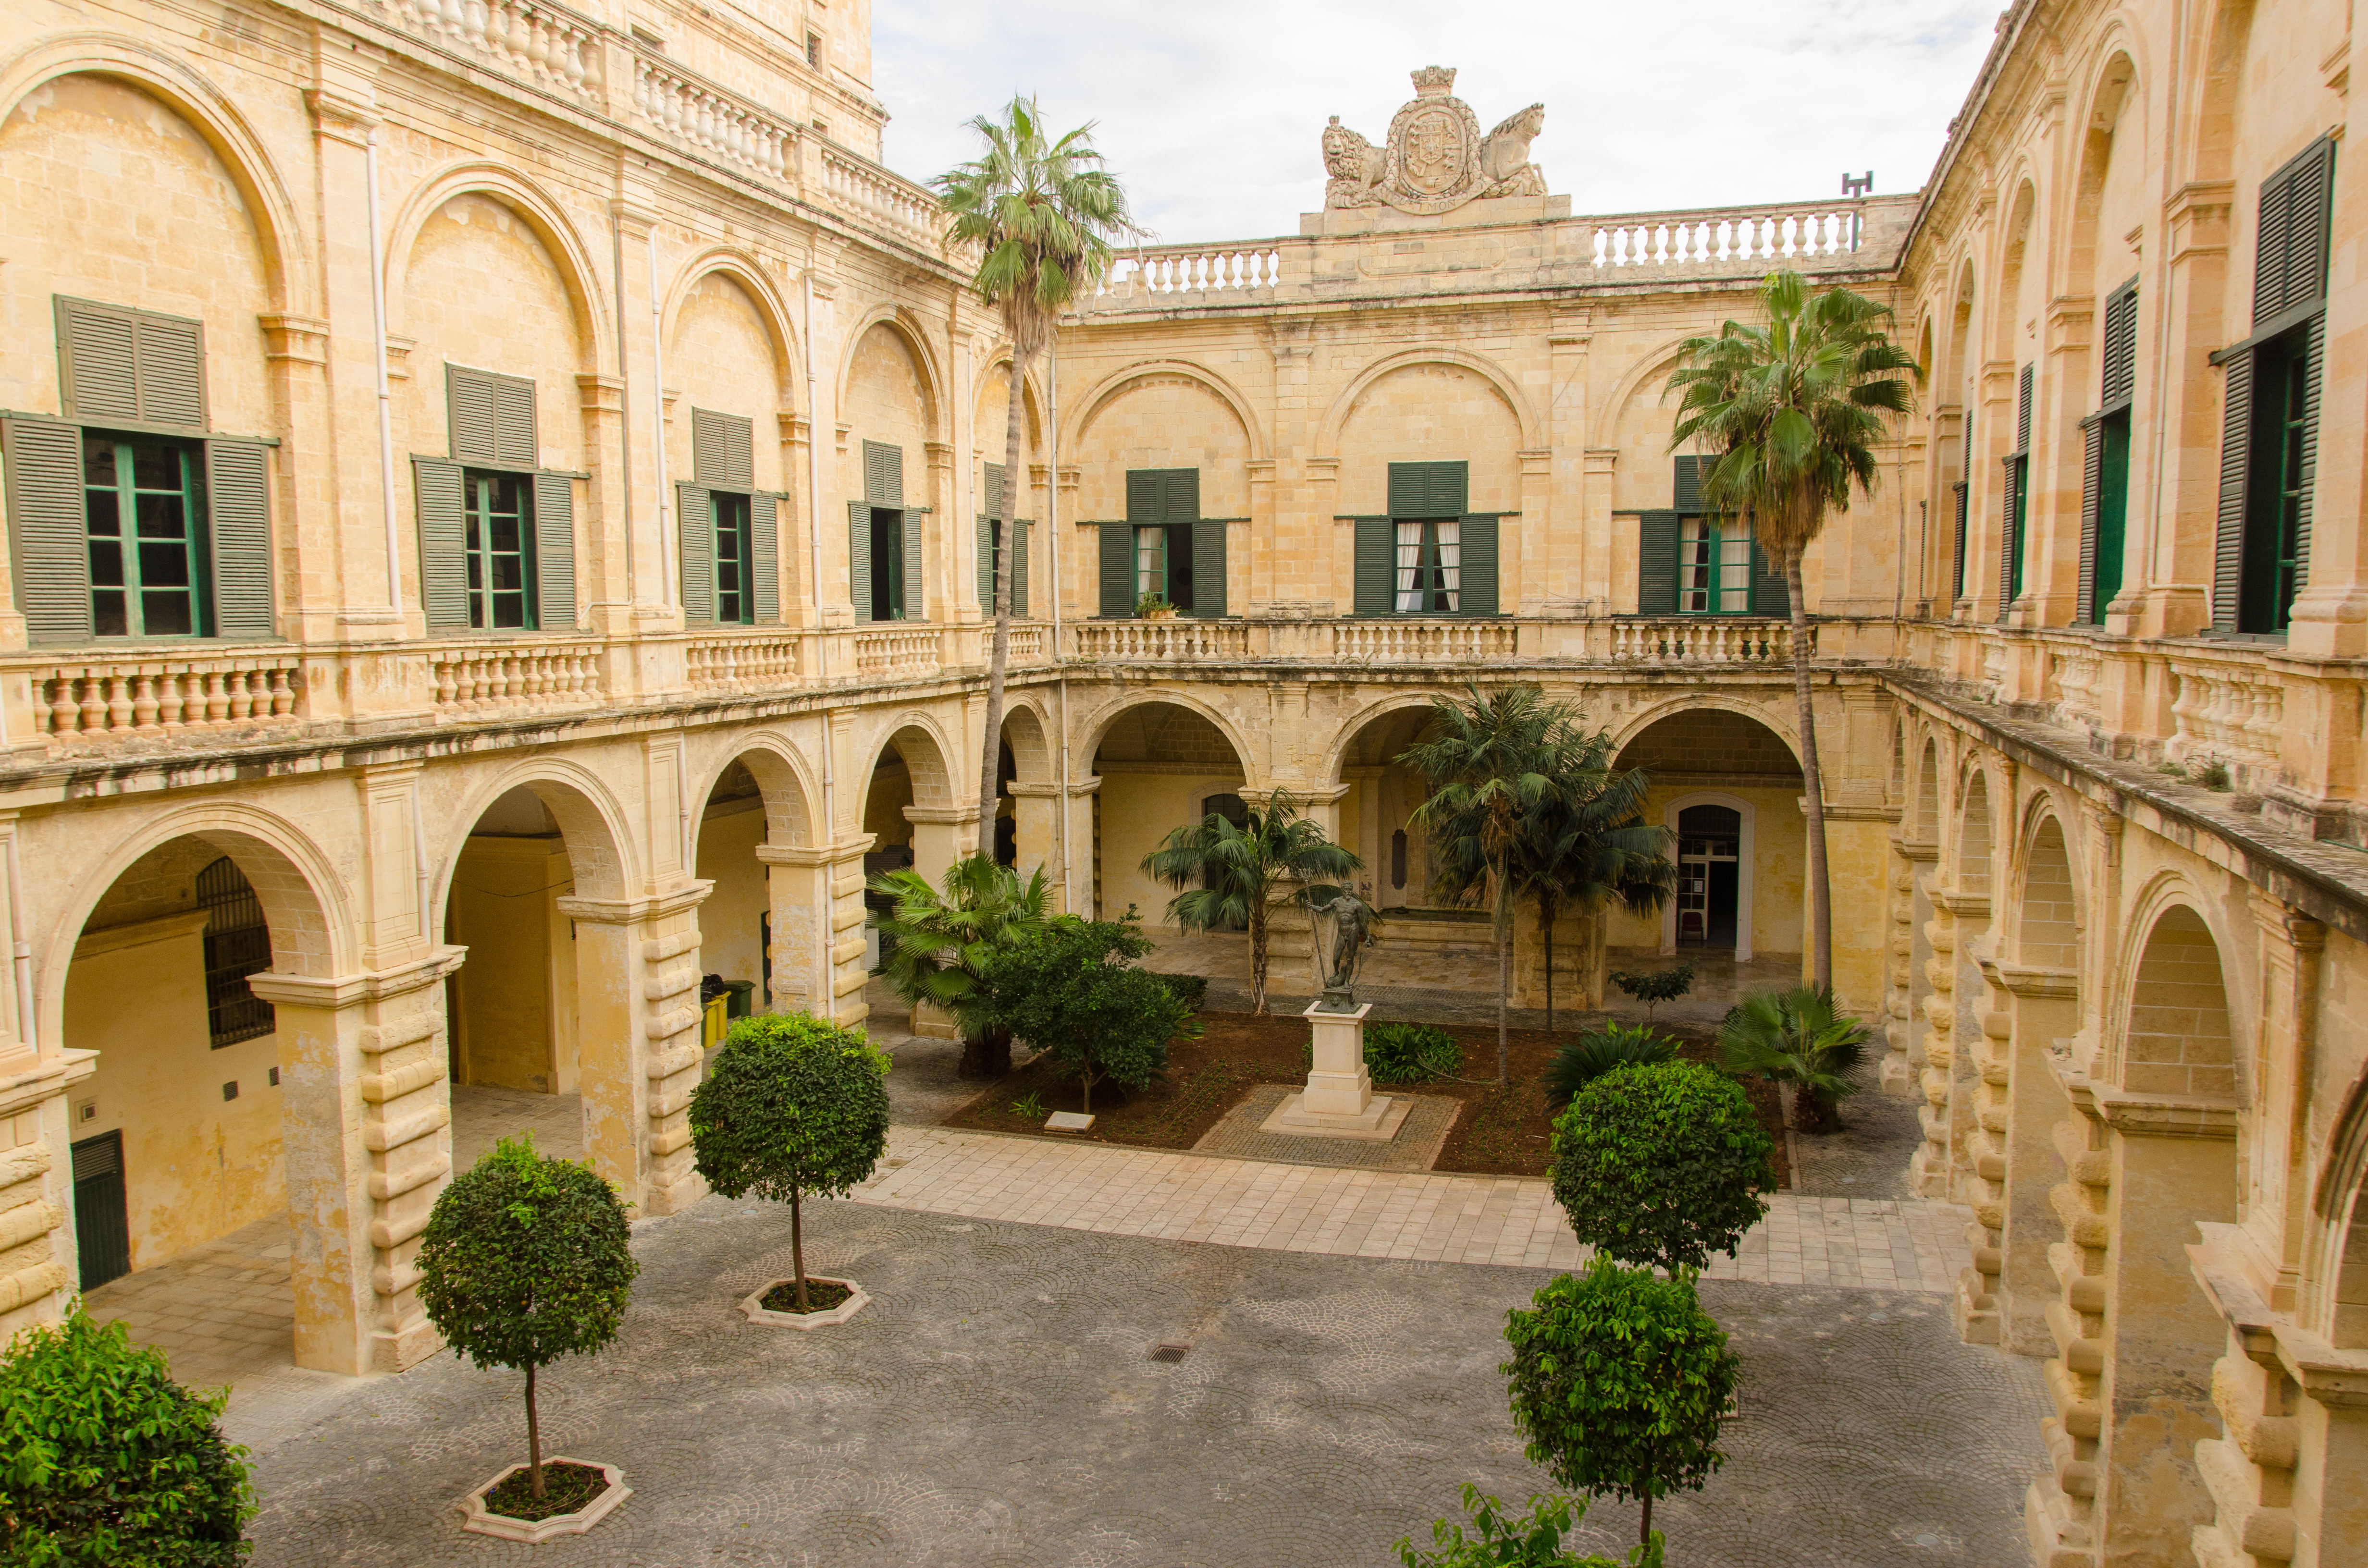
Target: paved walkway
<point>1513,1220</point>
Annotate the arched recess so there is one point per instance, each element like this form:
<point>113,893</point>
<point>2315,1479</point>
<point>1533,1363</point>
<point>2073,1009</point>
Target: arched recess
<point>2112,88</point>
<point>1777,722</point>
<point>1927,817</point>
<point>759,924</point>
<point>1158,757</point>
<point>1027,826</point>
<point>772,311</point>
<point>1958,369</point>
<point>1659,360</point>
<point>1351,728</point>
<point>2045,912</point>
<point>534,207</point>
<point>2336,1275</point>
<point>1095,726</point>
<point>2014,266</point>
<point>1974,834</point>
<point>1720,755</point>
<point>906,327</point>
<point>783,779</point>
<point>166,76</point>
<point>2211,153</point>
<point>2175,1037</point>
<point>590,823</point>
<point>1327,439</point>
<point>1027,732</point>
<point>1090,406</point>
<point>911,800</point>
<point>1379,795</point>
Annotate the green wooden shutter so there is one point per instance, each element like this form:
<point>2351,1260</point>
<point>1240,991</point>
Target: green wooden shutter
<point>1019,569</point>
<point>2313,362</point>
<point>48,530</point>
<point>1118,564</point>
<point>554,552</point>
<point>859,557</point>
<point>765,559</point>
<point>694,517</point>
<point>2290,248</point>
<point>1430,489</point>
<point>1376,574</point>
<point>1657,563</point>
<point>514,441</point>
<point>2120,355</point>
<point>1207,567</point>
<point>136,366</point>
<point>1963,493</point>
<point>2092,494</point>
<point>985,572</point>
<point>913,608</point>
<point>238,538</point>
<point>443,543</point>
<point>722,451</point>
<point>1770,596</point>
<point>1685,487</point>
<point>883,474</point>
<point>1181,494</point>
<point>1147,498</point>
<point>2022,410</point>
<point>2008,542</point>
<point>1476,568</point>
<point>995,499</point>
<point>469,415</point>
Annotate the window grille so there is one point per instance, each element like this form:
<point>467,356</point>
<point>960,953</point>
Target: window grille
<point>238,943</point>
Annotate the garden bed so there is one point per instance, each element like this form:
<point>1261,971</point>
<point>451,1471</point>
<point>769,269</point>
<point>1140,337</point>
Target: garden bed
<point>1496,1132</point>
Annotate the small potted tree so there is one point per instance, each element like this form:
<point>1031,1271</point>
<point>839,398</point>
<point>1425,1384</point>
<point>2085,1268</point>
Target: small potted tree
<point>525,1259</point>
<point>793,1107</point>
<point>108,1460</point>
<point>1618,1380</point>
<point>1661,1164</point>
<point>1072,991</point>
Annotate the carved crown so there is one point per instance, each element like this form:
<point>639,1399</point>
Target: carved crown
<point>1434,79</point>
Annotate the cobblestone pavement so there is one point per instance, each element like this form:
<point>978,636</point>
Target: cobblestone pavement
<point>221,1312</point>
<point>1415,1147</point>
<point>996,1407</point>
<point>1868,1158</point>
<point>1806,1240</point>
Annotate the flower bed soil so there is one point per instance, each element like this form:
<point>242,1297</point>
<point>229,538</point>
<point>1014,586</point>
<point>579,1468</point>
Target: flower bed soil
<point>1497,1132</point>
<point>822,1295</point>
<point>567,1489</point>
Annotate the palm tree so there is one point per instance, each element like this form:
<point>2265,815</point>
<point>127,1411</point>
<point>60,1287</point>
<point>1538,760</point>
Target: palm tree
<point>1045,216</point>
<point>1495,762</point>
<point>1796,1036</point>
<point>1276,859</point>
<point>939,943</point>
<point>1792,411</point>
<point>1586,846</point>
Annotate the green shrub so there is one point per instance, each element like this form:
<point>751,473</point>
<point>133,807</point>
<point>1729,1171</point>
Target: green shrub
<point>1658,986</point>
<point>1618,1379</point>
<point>1192,990</point>
<point>1662,1165</point>
<point>1796,1036</point>
<point>525,1259</point>
<point>1580,1061</point>
<point>107,1462</point>
<point>1410,1053</point>
<point>791,1106</point>
<point>1500,1541</point>
<point>1070,989</point>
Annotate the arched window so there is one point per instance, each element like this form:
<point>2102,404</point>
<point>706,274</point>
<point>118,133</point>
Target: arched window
<point>238,943</point>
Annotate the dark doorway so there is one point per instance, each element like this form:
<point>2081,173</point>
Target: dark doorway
<point>1710,840</point>
<point>102,1219</point>
<point>887,563</point>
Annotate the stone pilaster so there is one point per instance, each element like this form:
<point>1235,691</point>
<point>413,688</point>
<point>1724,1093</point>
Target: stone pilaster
<point>816,959</point>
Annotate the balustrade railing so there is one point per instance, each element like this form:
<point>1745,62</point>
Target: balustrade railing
<point>1232,269</point>
<point>701,115</point>
<point>1395,642</point>
<point>1158,641</point>
<point>1760,235</point>
<point>2226,709</point>
<point>1703,640</point>
<point>532,40</point>
<point>860,186</point>
<point>117,698</point>
<point>751,661</point>
<point>895,652</point>
<point>474,680</point>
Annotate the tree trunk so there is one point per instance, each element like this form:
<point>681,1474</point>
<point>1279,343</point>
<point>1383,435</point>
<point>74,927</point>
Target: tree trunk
<point>985,1056</point>
<point>1086,1092</point>
<point>798,1248</point>
<point>533,1440</point>
<point>1821,892</point>
<point>1257,961</point>
<point>1547,924</point>
<point>1644,1535</point>
<point>1015,490</point>
<point>1504,982</point>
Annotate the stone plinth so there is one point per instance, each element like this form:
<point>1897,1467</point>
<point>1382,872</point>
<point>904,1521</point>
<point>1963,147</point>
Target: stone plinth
<point>1338,1101</point>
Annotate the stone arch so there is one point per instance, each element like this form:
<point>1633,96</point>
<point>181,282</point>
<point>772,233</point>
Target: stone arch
<point>536,209</point>
<point>2047,906</point>
<point>1027,730</point>
<point>1336,418</point>
<point>2211,155</point>
<point>1928,794</point>
<point>592,824</point>
<point>1975,833</point>
<point>2113,87</point>
<point>2175,1037</point>
<point>1118,383</point>
<point>927,756</point>
<point>1335,754</point>
<point>1662,357</point>
<point>1637,723</point>
<point>1959,341</point>
<point>906,327</point>
<point>782,779</point>
<point>167,78</point>
<point>772,311</point>
<point>305,903</point>
<point>1096,727</point>
<point>2336,1271</point>
<point>2016,239</point>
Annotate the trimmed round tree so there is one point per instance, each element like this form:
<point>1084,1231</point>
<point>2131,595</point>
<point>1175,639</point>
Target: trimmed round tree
<point>105,1461</point>
<point>1072,992</point>
<point>1662,1164</point>
<point>524,1260</point>
<point>791,1106</point>
<point>1618,1380</point>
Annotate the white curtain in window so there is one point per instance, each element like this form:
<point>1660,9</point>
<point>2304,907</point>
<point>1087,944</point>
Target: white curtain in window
<point>1150,562</point>
<point>1450,536</point>
<point>1409,585</point>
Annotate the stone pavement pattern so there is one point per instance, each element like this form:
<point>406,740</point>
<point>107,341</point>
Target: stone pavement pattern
<point>996,1408</point>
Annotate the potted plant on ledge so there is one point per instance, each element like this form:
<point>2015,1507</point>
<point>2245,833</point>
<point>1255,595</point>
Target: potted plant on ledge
<point>793,1107</point>
<point>1154,607</point>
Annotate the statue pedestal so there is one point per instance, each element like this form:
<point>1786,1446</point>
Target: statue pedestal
<point>1338,1101</point>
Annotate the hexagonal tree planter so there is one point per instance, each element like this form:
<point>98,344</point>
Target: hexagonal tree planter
<point>478,1515</point>
<point>821,1317</point>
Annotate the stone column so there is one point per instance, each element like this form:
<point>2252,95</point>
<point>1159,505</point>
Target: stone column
<point>638,1019</point>
<point>366,1107</point>
<point>1077,876</point>
<point>1562,572</point>
<point>1911,864</point>
<point>1928,1170</point>
<point>2021,1169</point>
<point>941,835</point>
<point>816,959</point>
<point>1036,811</point>
<point>36,1239</point>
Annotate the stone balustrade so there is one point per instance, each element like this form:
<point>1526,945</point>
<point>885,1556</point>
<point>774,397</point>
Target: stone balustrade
<point>529,41</point>
<point>748,661</point>
<point>703,117</point>
<point>1393,641</point>
<point>1158,641</point>
<point>2228,709</point>
<point>1758,237</point>
<point>87,700</point>
<point>895,651</point>
<point>863,189</point>
<point>473,679</point>
<point>1704,640</point>
<point>1245,271</point>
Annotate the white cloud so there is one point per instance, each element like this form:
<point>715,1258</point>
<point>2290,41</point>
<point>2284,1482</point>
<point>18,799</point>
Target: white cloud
<point>1212,111</point>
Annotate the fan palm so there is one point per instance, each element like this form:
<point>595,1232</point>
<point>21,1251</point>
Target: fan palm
<point>1276,859</point>
<point>1791,411</point>
<point>939,942</point>
<point>1046,217</point>
<point>1796,1036</point>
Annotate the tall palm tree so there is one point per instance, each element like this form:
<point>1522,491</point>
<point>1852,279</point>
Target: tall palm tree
<point>1792,411</point>
<point>939,942</point>
<point>1046,217</point>
<point>1495,761</point>
<point>1276,859</point>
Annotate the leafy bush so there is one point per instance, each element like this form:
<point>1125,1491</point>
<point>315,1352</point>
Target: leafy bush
<point>1618,1378</point>
<point>107,1462</point>
<point>937,944</point>
<point>1192,990</point>
<point>1661,986</point>
<point>1071,990</point>
<point>791,1106</point>
<point>1796,1036</point>
<point>1661,1164</point>
<point>1582,1060</point>
<point>1533,1541</point>
<point>524,1260</point>
<point>1410,1053</point>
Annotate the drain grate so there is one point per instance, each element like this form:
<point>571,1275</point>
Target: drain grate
<point>1171,1351</point>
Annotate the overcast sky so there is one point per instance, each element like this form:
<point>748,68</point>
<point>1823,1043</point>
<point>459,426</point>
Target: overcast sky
<point>1211,110</point>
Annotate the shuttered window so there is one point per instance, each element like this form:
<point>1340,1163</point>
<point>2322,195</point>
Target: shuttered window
<point>728,528</point>
<point>139,505</point>
<point>1168,540</point>
<point>498,543</point>
<point>2105,459</point>
<point>2015,500</point>
<point>1432,554</point>
<point>883,538</point>
<point>1691,561</point>
<point>491,418</point>
<point>496,532</point>
<point>989,551</point>
<point>118,365</point>
<point>2270,432</point>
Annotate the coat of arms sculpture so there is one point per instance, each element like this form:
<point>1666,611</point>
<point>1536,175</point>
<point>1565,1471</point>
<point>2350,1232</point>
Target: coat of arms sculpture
<point>1436,159</point>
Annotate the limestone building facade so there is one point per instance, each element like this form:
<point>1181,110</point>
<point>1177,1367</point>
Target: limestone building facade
<point>495,494</point>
